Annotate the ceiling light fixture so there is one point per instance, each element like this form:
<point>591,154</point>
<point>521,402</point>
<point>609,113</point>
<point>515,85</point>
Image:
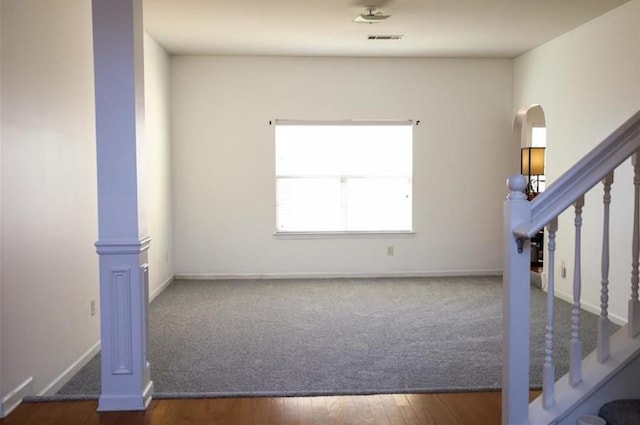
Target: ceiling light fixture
<point>371,17</point>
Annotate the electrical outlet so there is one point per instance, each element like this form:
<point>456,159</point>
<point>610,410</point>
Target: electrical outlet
<point>563,270</point>
<point>93,308</point>
<point>390,250</point>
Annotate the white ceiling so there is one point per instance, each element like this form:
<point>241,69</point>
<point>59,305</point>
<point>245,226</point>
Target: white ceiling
<point>442,28</point>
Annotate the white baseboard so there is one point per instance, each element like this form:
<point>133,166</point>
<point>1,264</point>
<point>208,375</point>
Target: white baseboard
<point>153,294</point>
<point>69,373</point>
<point>335,275</point>
<point>75,367</point>
<point>15,396</point>
<point>590,308</point>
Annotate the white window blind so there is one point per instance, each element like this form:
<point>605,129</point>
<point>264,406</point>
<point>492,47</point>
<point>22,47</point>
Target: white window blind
<point>344,176</point>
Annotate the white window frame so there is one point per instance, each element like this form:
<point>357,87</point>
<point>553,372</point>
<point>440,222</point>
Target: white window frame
<point>298,234</point>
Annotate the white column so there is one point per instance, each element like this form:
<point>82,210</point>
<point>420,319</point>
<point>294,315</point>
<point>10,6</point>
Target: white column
<point>123,243</point>
<point>516,305</point>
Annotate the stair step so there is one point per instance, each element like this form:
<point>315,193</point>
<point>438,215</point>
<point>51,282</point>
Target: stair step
<point>621,412</point>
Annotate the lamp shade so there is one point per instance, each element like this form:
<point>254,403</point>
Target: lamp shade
<point>532,161</point>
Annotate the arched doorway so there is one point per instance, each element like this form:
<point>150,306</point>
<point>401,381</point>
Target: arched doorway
<point>530,130</point>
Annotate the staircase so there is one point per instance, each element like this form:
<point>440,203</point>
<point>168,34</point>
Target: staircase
<point>612,371</point>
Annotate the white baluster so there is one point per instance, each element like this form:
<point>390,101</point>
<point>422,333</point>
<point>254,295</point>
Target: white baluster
<point>603,321</point>
<point>548,372</point>
<point>575,365</point>
<point>634,304</point>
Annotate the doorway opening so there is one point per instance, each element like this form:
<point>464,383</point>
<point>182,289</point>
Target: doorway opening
<point>531,134</point>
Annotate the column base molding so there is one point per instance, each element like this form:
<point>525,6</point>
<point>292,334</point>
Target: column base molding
<point>124,287</point>
<point>114,403</point>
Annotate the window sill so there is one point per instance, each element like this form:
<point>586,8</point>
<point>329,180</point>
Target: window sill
<point>392,234</point>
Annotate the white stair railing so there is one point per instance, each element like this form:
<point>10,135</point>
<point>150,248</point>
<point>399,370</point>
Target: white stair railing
<point>603,321</point>
<point>522,220</point>
<point>548,373</point>
<point>575,361</point>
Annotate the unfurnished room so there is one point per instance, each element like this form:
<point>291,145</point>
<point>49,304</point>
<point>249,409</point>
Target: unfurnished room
<point>254,212</point>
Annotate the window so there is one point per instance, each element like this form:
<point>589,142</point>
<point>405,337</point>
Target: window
<point>353,176</point>
<point>538,137</point>
<point>539,140</point>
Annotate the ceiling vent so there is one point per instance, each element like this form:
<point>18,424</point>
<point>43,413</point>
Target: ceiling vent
<point>384,37</point>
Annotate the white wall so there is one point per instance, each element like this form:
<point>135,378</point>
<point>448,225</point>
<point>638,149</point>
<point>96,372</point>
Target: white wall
<point>49,211</point>
<point>588,83</point>
<point>158,150</point>
<point>223,160</point>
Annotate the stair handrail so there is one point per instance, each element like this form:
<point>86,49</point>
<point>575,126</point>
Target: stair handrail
<point>582,176</point>
<point>522,220</point>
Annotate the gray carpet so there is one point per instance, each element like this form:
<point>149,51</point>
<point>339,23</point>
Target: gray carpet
<point>338,336</point>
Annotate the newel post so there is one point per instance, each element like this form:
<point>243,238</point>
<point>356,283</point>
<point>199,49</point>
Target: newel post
<point>515,307</point>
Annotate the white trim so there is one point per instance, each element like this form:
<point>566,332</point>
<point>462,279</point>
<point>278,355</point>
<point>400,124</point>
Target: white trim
<point>148,390</point>
<point>590,308</point>
<point>15,396</point>
<point>113,403</point>
<point>122,246</point>
<point>336,275</point>
<point>121,317</point>
<point>343,176</point>
<point>117,403</point>
<point>162,287</point>
<point>391,234</point>
<point>344,122</point>
<point>68,373</point>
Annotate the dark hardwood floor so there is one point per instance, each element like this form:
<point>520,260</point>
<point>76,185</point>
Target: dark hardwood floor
<point>478,408</point>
